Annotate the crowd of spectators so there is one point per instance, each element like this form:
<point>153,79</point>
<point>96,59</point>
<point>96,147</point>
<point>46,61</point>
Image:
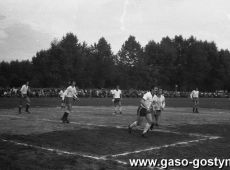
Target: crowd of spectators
<point>102,93</point>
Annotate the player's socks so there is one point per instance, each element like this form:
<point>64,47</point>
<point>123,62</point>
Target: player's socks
<point>146,129</point>
<point>193,110</point>
<point>67,120</point>
<point>19,110</point>
<point>64,117</point>
<point>27,108</point>
<point>129,129</point>
<point>152,126</point>
<point>143,135</point>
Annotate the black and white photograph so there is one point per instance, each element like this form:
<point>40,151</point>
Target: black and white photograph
<point>114,84</point>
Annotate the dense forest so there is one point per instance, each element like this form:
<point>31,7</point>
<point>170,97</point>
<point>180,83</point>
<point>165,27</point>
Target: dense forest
<point>187,63</point>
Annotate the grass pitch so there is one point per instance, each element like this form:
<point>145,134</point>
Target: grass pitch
<point>96,139</point>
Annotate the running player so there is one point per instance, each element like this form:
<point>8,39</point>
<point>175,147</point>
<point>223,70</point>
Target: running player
<point>144,111</point>
<point>194,95</point>
<point>70,94</point>
<point>117,97</point>
<point>158,105</point>
<point>24,97</point>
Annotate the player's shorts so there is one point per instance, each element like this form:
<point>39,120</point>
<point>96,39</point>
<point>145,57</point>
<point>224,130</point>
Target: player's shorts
<point>142,111</point>
<point>195,101</point>
<point>157,112</point>
<point>68,100</point>
<point>24,98</point>
<point>116,101</point>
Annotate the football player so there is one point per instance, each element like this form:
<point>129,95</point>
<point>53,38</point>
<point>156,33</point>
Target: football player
<point>24,91</point>
<point>144,111</point>
<point>194,95</point>
<point>158,105</point>
<point>117,97</point>
<point>70,94</point>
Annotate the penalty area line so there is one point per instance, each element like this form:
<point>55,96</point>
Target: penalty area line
<point>61,152</point>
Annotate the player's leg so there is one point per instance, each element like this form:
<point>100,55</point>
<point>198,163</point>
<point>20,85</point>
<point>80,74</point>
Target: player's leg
<point>27,104</point>
<point>138,121</point>
<point>148,124</point>
<point>157,115</point>
<point>20,104</point>
<point>153,113</point>
<point>194,106</point>
<point>197,103</point>
<point>69,111</point>
<point>62,104</point>
<point>115,106</point>
<point>66,113</point>
<point>119,107</point>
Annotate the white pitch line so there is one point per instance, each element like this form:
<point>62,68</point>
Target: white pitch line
<point>116,155</point>
<point>19,117</point>
<point>165,146</point>
<point>58,151</point>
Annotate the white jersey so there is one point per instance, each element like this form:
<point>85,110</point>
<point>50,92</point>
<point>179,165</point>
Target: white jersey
<point>24,89</point>
<point>70,92</point>
<point>116,93</point>
<point>158,102</point>
<point>148,99</point>
<point>194,94</point>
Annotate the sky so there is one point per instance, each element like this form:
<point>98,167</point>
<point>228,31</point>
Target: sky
<point>28,26</point>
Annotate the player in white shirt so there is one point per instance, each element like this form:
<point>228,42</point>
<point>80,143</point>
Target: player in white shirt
<point>61,94</point>
<point>24,97</point>
<point>194,95</point>
<point>117,97</point>
<point>144,111</point>
<point>158,105</point>
<point>70,94</point>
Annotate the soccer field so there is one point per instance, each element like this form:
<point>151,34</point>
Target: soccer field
<point>96,139</point>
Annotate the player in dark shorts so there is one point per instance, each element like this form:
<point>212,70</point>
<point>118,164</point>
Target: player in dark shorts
<point>144,112</point>
<point>70,94</point>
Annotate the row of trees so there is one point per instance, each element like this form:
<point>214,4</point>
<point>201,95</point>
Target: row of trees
<point>187,63</point>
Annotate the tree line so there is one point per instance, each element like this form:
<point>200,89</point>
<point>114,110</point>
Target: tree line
<point>172,62</point>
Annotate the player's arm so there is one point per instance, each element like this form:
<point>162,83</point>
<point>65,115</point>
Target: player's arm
<point>112,92</point>
<point>64,94</point>
<point>22,88</point>
<point>75,94</point>
<point>191,95</point>
<point>163,103</point>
